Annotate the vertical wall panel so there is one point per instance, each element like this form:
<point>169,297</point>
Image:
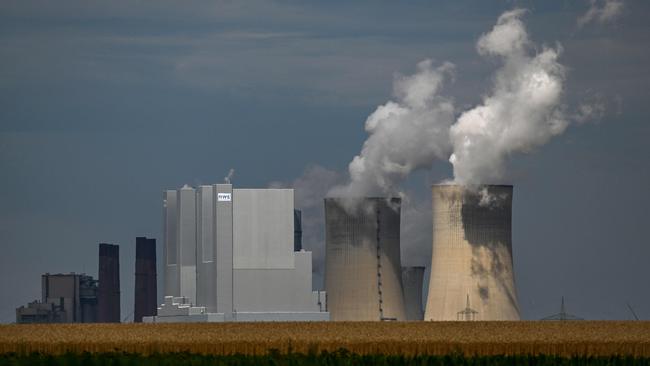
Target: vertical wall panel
<point>171,276</point>
<point>186,239</point>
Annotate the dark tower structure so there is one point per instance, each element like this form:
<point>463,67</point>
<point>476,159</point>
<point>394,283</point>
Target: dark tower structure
<point>109,284</point>
<point>145,278</point>
<point>297,230</point>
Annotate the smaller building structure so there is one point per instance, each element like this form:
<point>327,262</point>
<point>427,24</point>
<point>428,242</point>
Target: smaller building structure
<point>66,298</point>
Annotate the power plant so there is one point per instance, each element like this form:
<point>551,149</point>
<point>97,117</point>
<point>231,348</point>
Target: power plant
<point>229,256</point>
<point>412,280</point>
<point>472,254</point>
<point>236,255</point>
<point>363,276</point>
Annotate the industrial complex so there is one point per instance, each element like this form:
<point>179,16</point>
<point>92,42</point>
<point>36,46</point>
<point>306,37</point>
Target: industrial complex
<point>229,255</point>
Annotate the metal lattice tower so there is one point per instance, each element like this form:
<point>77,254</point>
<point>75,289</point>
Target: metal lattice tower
<point>467,314</point>
<point>562,315</point>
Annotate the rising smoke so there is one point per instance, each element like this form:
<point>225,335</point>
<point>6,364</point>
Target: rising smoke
<point>601,11</point>
<point>521,112</point>
<point>406,134</point>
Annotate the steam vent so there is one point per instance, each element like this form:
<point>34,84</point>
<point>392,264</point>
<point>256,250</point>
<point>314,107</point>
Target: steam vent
<point>471,267</point>
<point>362,264</point>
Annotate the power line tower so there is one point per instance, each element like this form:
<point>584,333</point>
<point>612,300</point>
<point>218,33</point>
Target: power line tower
<point>467,314</point>
<point>562,315</point>
<point>633,312</point>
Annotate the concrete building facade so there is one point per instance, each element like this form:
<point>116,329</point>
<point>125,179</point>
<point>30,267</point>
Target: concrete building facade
<point>186,241</point>
<point>472,254</point>
<point>170,248</point>
<point>363,276</point>
<point>245,265</point>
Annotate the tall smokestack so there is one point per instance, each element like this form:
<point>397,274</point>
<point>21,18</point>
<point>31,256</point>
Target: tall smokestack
<point>362,263</point>
<point>412,278</point>
<point>145,278</point>
<point>108,307</point>
<point>472,254</point>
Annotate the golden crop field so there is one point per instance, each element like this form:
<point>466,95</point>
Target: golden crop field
<point>584,338</point>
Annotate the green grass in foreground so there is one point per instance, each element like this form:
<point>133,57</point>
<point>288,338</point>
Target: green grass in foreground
<point>329,359</point>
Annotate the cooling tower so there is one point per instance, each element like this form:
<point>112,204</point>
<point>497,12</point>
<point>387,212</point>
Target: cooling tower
<point>362,261</point>
<point>412,278</point>
<point>145,279</point>
<point>108,297</point>
<point>472,254</point>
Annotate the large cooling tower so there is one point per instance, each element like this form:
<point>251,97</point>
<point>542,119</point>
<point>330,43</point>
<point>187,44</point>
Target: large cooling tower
<point>362,262</point>
<point>412,278</point>
<point>471,265</point>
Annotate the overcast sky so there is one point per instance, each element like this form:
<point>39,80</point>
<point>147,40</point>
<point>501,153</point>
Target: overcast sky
<point>105,104</point>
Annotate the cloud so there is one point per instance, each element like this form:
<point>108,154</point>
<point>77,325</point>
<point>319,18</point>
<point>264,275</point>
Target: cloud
<point>522,111</point>
<point>589,111</point>
<point>404,135</point>
<point>601,11</point>
<point>309,190</point>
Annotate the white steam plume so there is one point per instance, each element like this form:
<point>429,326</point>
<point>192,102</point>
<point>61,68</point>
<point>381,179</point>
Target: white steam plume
<point>601,11</point>
<point>406,134</point>
<point>521,112</point>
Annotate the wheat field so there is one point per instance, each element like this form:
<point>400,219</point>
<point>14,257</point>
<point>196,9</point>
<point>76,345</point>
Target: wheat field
<point>585,338</point>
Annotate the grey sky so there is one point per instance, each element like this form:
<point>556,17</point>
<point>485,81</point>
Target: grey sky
<point>105,104</point>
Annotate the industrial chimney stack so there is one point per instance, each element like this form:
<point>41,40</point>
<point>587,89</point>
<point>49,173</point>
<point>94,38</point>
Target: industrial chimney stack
<point>108,307</point>
<point>145,278</point>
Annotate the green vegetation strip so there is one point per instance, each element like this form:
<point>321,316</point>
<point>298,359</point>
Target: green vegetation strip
<point>277,359</point>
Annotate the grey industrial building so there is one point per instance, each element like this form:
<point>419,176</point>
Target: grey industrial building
<point>472,274</point>
<point>363,275</point>
<point>66,298</point>
<point>228,255</point>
